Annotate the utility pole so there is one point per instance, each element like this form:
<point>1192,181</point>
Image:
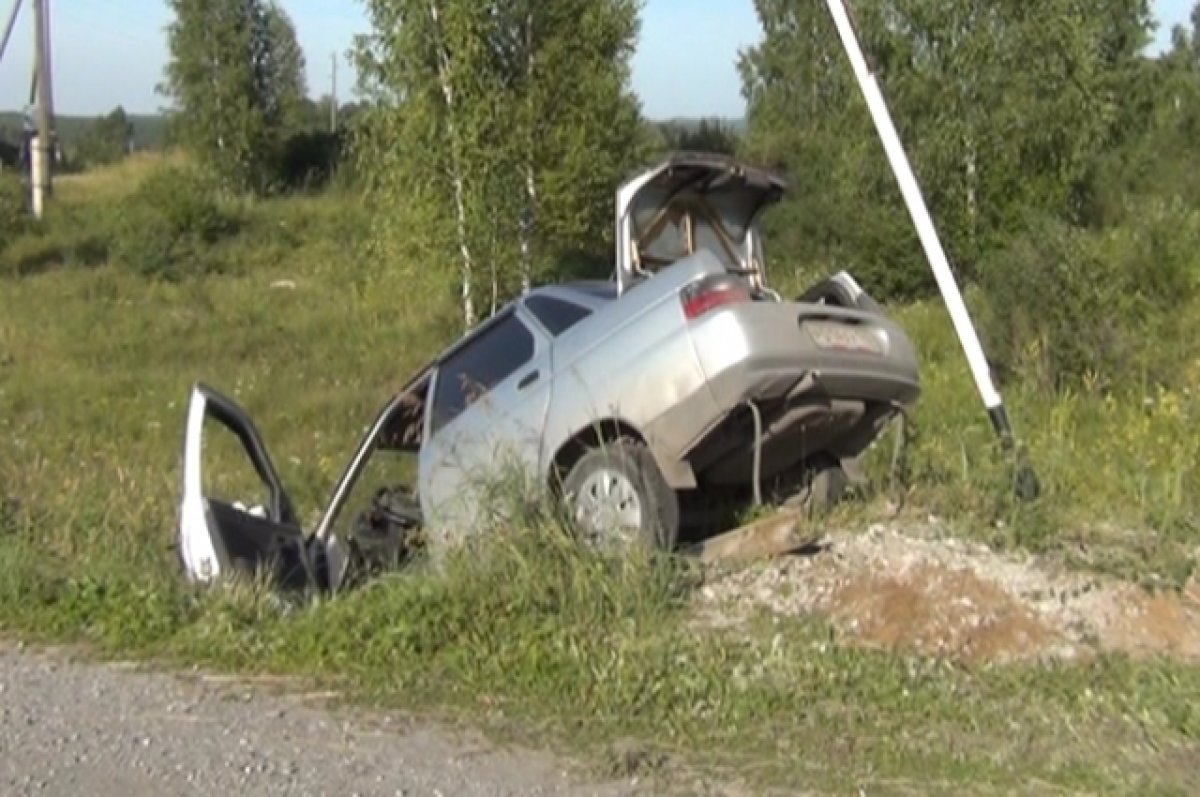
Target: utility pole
<point>1026,482</point>
<point>333,99</point>
<point>43,148</point>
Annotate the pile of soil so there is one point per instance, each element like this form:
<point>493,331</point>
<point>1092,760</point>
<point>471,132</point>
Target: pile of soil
<point>909,591</point>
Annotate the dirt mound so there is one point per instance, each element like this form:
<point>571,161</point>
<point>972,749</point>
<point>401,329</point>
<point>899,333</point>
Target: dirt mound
<point>913,592</point>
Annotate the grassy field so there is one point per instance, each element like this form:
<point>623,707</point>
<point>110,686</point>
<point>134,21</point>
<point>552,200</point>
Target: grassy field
<point>95,366</point>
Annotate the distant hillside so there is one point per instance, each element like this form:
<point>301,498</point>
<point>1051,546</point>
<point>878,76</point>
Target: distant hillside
<point>149,131</point>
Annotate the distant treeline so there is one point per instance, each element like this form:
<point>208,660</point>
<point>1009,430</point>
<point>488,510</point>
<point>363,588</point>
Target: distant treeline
<point>149,130</point>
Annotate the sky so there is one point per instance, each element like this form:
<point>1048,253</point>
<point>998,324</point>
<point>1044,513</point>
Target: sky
<point>112,52</point>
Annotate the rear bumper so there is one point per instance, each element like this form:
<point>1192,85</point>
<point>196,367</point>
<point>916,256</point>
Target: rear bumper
<point>761,351</point>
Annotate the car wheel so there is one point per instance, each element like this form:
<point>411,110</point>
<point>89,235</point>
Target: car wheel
<point>616,493</point>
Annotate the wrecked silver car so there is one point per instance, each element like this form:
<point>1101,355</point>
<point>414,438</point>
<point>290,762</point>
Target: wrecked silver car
<point>656,404</point>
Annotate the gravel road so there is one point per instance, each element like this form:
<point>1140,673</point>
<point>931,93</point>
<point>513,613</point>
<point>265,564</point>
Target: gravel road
<point>70,728</point>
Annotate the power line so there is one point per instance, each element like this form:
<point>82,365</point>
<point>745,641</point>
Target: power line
<point>8,28</point>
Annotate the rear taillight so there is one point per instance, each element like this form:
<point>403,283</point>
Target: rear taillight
<point>709,294</point>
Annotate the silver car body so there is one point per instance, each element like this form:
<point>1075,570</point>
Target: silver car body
<point>686,350</point>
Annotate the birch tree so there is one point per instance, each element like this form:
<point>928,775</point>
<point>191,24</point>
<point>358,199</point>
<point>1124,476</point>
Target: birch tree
<point>234,72</point>
<point>286,81</point>
<point>578,124</point>
<point>497,134</point>
<point>427,136</point>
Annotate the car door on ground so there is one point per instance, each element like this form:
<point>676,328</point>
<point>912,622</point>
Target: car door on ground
<point>485,423</point>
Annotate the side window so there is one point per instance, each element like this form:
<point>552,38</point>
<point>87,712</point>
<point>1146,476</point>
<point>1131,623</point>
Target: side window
<point>473,371</point>
<point>557,315</point>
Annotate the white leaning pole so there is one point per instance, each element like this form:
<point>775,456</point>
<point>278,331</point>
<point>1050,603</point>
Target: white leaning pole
<point>1026,480</point>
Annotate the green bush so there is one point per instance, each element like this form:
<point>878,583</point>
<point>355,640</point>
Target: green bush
<point>170,223</point>
<point>73,235</point>
<point>14,210</point>
<point>310,159</point>
<point>30,254</point>
<point>1070,306</point>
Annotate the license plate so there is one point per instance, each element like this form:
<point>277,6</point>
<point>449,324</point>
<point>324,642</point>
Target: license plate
<point>844,337</point>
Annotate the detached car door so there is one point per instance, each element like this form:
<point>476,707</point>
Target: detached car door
<point>485,424</point>
<point>218,537</point>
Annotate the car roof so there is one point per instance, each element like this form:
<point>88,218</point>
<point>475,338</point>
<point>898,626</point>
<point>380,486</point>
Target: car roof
<point>603,290</point>
<point>589,292</point>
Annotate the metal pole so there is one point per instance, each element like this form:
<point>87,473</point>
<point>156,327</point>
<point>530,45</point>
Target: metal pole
<point>1027,486</point>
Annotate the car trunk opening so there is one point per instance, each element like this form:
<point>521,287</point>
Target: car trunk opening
<point>695,202</point>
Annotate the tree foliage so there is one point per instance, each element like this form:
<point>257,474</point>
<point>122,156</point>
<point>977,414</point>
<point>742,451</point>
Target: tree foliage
<point>1003,106</point>
<point>286,79</point>
<point>706,135</point>
<point>105,140</point>
<point>496,135</point>
<point>1157,154</point>
<point>236,77</point>
<point>1058,157</point>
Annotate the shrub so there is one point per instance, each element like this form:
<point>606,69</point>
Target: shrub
<point>70,235</point>
<point>30,254</point>
<point>170,223</point>
<point>14,210</point>
<point>310,160</point>
<point>1070,306</point>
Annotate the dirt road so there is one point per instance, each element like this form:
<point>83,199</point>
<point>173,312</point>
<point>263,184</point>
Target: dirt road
<point>69,728</point>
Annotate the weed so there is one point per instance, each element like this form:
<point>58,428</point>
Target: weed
<point>14,208</point>
<point>1072,307</point>
<point>169,224</point>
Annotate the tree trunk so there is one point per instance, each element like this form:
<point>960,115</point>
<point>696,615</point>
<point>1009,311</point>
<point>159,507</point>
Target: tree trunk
<point>529,217</point>
<point>456,167</point>
<point>972,167</point>
<point>527,224</point>
<point>495,263</point>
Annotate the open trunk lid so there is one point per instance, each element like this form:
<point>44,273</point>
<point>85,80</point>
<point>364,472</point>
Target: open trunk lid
<point>694,201</point>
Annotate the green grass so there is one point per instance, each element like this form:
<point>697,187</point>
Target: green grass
<point>532,638</point>
<point>1119,471</point>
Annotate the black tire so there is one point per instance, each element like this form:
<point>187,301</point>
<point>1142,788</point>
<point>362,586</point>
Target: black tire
<point>659,516</point>
<point>824,483</point>
<point>829,486</point>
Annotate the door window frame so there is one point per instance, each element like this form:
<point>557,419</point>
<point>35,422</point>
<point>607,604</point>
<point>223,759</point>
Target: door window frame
<point>515,312</point>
